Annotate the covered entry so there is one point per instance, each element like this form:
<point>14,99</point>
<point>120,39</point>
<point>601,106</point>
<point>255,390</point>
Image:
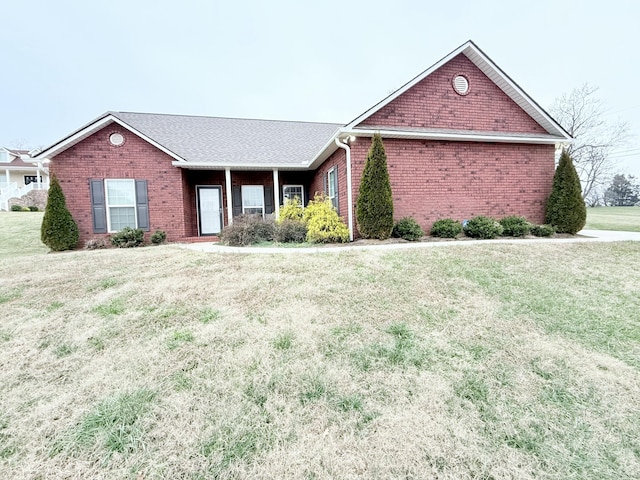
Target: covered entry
<point>209,207</point>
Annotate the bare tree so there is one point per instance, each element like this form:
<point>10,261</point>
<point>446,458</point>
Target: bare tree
<point>581,114</point>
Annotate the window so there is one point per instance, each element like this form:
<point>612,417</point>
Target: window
<point>289,192</point>
<point>253,199</point>
<point>121,204</point>
<point>332,186</point>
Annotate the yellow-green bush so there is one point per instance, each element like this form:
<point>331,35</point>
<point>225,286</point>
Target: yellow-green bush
<point>291,210</point>
<point>323,223</point>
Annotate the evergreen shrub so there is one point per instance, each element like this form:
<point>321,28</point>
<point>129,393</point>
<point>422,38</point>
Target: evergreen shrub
<point>58,231</point>
<point>446,228</point>
<point>323,223</point>
<point>542,230</point>
<point>483,228</point>
<point>159,237</point>
<point>566,210</point>
<point>515,226</point>
<point>128,238</point>
<point>408,229</point>
<point>374,207</point>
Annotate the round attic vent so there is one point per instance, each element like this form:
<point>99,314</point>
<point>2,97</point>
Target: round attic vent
<point>116,139</point>
<point>461,84</point>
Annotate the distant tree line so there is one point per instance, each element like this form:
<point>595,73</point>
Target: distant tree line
<point>624,191</point>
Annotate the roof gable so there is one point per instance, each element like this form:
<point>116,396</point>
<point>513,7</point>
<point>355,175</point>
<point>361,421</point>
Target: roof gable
<point>494,103</point>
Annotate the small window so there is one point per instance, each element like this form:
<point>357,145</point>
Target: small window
<point>332,186</point>
<point>289,192</point>
<point>253,199</point>
<point>116,139</point>
<point>121,204</point>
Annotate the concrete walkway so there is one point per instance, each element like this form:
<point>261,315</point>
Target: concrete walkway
<point>583,237</point>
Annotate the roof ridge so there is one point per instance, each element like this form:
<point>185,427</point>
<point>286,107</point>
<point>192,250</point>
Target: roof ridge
<point>224,118</point>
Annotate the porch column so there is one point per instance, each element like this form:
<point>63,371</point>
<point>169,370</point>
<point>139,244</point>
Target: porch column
<point>276,192</point>
<point>227,179</point>
<point>6,174</point>
<point>38,177</point>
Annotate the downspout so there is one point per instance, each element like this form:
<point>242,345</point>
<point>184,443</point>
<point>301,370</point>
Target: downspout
<point>346,148</point>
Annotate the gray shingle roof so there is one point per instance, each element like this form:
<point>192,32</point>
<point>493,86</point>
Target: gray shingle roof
<point>234,141</point>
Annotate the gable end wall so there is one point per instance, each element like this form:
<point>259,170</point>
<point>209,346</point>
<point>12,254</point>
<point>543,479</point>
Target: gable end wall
<point>433,103</point>
<point>95,158</point>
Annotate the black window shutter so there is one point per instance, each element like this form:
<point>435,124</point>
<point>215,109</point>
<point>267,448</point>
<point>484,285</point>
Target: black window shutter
<point>268,200</point>
<point>142,205</point>
<point>236,200</point>
<point>98,206</point>
<point>324,183</point>
<point>335,189</point>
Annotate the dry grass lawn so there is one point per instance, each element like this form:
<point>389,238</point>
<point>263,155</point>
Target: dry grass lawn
<point>467,362</point>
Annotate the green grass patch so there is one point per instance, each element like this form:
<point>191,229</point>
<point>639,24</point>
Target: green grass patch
<point>208,315</point>
<point>114,426</point>
<point>625,219</point>
<point>117,306</point>
<point>20,234</point>
<point>64,350</point>
<point>284,341</point>
<point>178,338</point>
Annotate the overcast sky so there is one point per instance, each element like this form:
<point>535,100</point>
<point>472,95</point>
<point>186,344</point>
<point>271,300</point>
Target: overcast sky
<point>66,62</point>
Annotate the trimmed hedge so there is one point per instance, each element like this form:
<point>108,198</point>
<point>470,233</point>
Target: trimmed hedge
<point>542,230</point>
<point>446,228</point>
<point>128,238</point>
<point>515,226</point>
<point>408,229</point>
<point>483,228</point>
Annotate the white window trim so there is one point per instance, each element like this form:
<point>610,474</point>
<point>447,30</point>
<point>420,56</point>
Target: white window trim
<point>301,187</point>
<point>108,207</point>
<point>330,185</point>
<point>253,206</point>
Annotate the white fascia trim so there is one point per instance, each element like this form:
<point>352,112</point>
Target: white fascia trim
<point>94,127</point>
<point>525,102</point>
<point>246,166</point>
<point>459,137</point>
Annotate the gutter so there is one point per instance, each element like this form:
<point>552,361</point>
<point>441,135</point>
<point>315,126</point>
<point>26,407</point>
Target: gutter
<point>346,148</point>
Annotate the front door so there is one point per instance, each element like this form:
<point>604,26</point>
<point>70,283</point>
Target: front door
<point>209,205</point>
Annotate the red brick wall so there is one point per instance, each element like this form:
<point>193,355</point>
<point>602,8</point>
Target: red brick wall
<point>437,179</point>
<point>95,158</point>
<point>433,103</point>
<point>337,159</point>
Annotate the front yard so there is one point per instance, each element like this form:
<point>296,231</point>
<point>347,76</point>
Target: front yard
<point>484,361</point>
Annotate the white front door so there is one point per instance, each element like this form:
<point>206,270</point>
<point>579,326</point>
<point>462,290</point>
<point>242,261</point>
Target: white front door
<point>209,210</point>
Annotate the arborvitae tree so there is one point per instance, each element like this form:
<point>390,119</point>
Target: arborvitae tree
<point>374,209</point>
<point>59,230</point>
<point>566,209</point>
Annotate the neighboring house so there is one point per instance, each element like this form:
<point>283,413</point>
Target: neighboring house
<point>19,175</point>
<point>462,139</point>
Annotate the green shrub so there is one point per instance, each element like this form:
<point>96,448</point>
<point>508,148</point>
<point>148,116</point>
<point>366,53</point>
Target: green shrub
<point>374,207</point>
<point>291,210</point>
<point>446,228</point>
<point>16,208</point>
<point>323,223</point>
<point>514,226</point>
<point>128,237</point>
<point>408,229</point>
<point>483,227</point>
<point>542,230</point>
<point>59,231</point>
<point>291,231</point>
<point>566,209</point>
<point>247,230</point>
<point>33,208</point>
<point>26,209</point>
<point>159,237</point>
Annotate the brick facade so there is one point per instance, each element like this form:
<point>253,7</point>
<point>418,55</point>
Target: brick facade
<point>337,159</point>
<point>433,103</point>
<point>95,158</point>
<point>437,179</point>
